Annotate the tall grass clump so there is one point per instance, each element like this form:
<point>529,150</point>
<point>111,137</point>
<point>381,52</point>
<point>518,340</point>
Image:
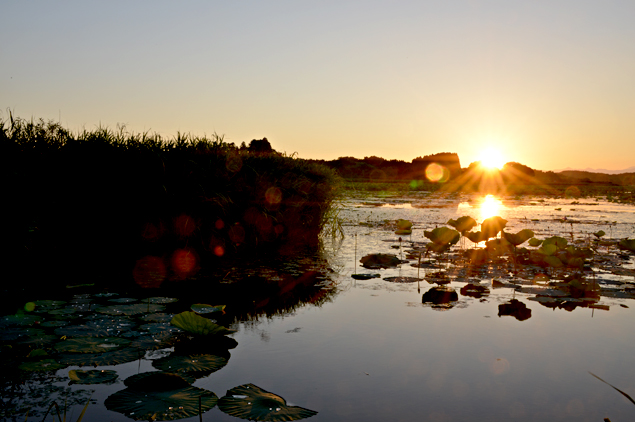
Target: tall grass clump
<point>105,201</point>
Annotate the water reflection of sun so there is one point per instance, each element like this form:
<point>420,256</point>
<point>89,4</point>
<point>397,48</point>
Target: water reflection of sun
<point>490,207</point>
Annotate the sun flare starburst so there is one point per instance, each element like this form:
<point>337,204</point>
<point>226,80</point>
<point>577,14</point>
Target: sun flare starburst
<point>492,158</point>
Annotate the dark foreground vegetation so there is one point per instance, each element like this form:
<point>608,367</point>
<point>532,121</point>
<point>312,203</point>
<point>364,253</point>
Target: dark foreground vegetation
<point>92,205</point>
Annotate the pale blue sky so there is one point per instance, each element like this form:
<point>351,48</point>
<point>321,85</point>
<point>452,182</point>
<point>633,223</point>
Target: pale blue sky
<point>550,83</point>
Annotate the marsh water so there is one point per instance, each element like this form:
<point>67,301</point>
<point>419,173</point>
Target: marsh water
<point>375,350</point>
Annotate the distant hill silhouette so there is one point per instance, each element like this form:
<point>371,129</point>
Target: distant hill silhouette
<point>602,171</point>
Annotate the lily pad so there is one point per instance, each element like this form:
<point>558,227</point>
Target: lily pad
<point>116,357</point>
<point>402,279</point>
<point>443,236</point>
<point>518,238</point>
<point>134,309</point>
<point>190,364</point>
<point>161,405</point>
<point>490,227</point>
<point>627,244</point>
<point>196,324</point>
<point>535,242</point>
<point>253,403</point>
<point>157,381</point>
<point>41,366</point>
<point>404,225</point>
<point>463,224</point>
<point>19,320</point>
<point>91,345</point>
<point>201,308</point>
<point>161,300</point>
<point>77,376</point>
<point>158,317</point>
<point>365,276</point>
<point>379,260</point>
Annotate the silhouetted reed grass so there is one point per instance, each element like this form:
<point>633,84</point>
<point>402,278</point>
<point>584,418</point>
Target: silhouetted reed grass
<point>97,202</point>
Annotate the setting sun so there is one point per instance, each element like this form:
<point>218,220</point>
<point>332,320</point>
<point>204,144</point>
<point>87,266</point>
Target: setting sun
<point>492,158</point>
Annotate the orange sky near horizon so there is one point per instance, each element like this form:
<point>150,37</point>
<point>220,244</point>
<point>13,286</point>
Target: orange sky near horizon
<point>548,84</point>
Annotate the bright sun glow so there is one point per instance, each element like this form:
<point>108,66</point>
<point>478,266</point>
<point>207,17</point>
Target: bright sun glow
<point>492,158</point>
<point>490,207</point>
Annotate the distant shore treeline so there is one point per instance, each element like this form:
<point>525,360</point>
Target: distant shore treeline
<point>104,202</point>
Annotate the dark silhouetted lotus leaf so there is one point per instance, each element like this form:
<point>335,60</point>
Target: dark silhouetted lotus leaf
<point>599,234</point>
<point>115,357</point>
<point>438,277</point>
<point>133,309</point>
<point>440,296</point>
<point>156,381</point>
<point>19,320</point>
<point>158,317</point>
<point>255,404</point>
<point>514,308</point>
<point>13,333</point>
<point>443,236</point>
<point>498,247</point>
<point>365,276</point>
<point>477,256</point>
<point>463,224</point>
<point>196,324</point>
<point>39,341</point>
<point>161,300</point>
<point>201,308</point>
<point>78,376</point>
<point>518,238</point>
<point>91,345</point>
<point>475,237</point>
<point>402,279</point>
<point>190,364</point>
<point>161,405</point>
<point>474,290</point>
<point>437,247</point>
<point>490,227</point>
<point>380,260</point>
<point>41,366</point>
<point>627,244</point>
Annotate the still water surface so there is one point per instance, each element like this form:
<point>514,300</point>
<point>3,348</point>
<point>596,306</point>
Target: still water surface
<point>375,352</point>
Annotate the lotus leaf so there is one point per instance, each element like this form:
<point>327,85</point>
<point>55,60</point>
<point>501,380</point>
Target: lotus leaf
<point>548,249</point>
<point>37,353</point>
<point>189,364</point>
<point>253,403</point>
<point>627,244</point>
<point>515,308</point>
<point>404,224</point>
<point>518,238</point>
<point>491,226</point>
<point>599,234</point>
<point>196,324</point>
<point>123,300</point>
<point>402,279</point>
<point>463,224</point>
<point>19,319</point>
<point>49,303</point>
<point>365,276</point>
<point>159,327</point>
<point>158,317</point>
<point>443,236</point>
<point>78,376</point>
<point>438,248</point>
<point>39,341</point>
<point>379,260</point>
<point>553,261</point>
<point>56,323</point>
<point>42,365</point>
<point>82,331</point>
<point>161,405</point>
<point>91,345</point>
<point>403,232</point>
<point>13,333</point>
<point>440,296</point>
<point>560,242</point>
<point>135,309</point>
<point>161,300</point>
<point>116,357</point>
<point>535,242</point>
<point>498,247</point>
<point>201,308</point>
<point>475,237</point>
<point>157,381</point>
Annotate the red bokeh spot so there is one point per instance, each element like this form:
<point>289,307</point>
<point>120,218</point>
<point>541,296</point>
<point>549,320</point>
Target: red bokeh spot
<point>184,263</point>
<point>219,250</point>
<point>149,271</point>
<point>184,225</point>
<point>219,224</point>
<point>273,195</point>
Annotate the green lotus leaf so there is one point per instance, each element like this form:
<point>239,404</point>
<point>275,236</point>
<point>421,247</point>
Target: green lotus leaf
<point>91,345</point>
<point>404,224</point>
<point>40,366</point>
<point>133,309</point>
<point>498,247</point>
<point>56,323</point>
<point>161,300</point>
<point>253,403</point>
<point>161,405</point>
<point>599,234</point>
<point>157,381</point>
<point>37,353</point>
<point>535,242</point>
<point>190,364</point>
<point>158,317</point>
<point>196,324</point>
<point>403,232</point>
<point>548,249</point>
<point>116,357</point>
<point>39,341</point>
<point>78,376</point>
<point>627,244</point>
<point>438,248</point>
<point>463,224</point>
<point>518,238</point>
<point>19,320</point>
<point>491,226</point>
<point>159,328</point>
<point>123,300</point>
<point>13,333</point>
<point>560,242</point>
<point>443,236</point>
<point>553,261</point>
<point>201,308</point>
<point>475,237</point>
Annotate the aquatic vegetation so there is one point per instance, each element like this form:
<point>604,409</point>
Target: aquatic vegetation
<point>463,224</point>
<point>95,376</point>
<point>380,260</point>
<point>195,324</point>
<point>251,402</point>
<point>201,308</point>
<point>404,227</point>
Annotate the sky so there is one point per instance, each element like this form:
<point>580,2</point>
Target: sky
<point>548,83</point>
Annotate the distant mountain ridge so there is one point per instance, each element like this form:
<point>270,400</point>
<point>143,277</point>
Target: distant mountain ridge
<point>603,171</point>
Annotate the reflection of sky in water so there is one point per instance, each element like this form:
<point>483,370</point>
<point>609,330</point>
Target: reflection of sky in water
<point>376,353</point>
